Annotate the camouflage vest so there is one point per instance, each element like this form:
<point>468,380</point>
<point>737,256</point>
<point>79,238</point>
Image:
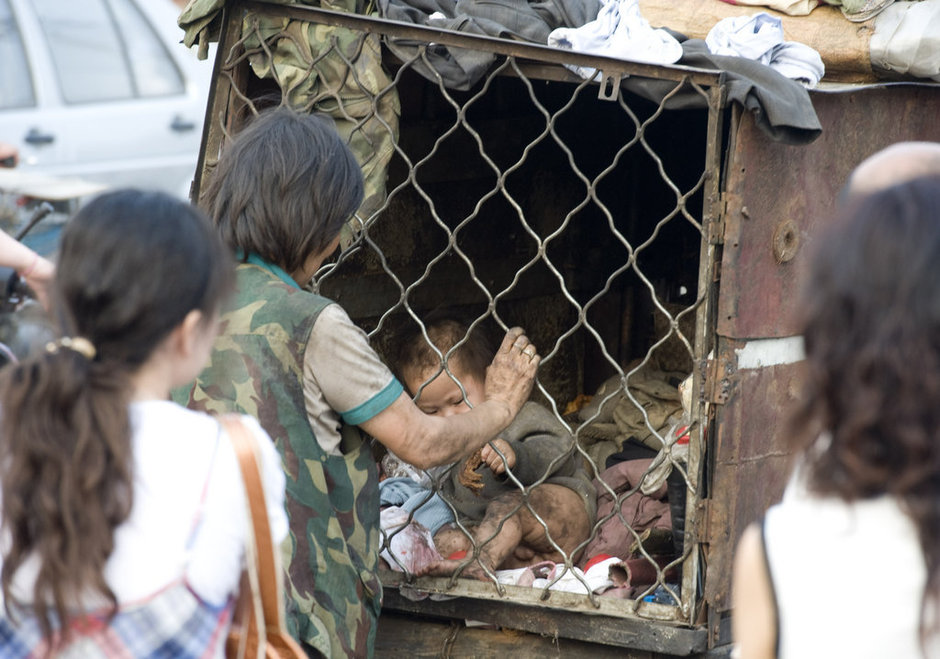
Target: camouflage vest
<point>256,368</point>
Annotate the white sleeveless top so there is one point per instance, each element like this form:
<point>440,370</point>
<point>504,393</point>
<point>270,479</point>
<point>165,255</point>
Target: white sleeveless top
<point>848,578</point>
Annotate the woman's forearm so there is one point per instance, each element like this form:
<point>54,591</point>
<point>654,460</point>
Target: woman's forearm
<point>426,441</point>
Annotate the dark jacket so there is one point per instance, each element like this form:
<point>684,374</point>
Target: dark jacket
<point>544,450</point>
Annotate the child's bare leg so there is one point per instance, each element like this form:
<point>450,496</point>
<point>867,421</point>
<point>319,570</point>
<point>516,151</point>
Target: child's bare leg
<point>566,517</point>
<point>499,533</point>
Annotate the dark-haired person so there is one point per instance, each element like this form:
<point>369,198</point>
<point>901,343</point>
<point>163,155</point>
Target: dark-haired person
<point>280,194</point>
<point>860,523</point>
<point>123,514</point>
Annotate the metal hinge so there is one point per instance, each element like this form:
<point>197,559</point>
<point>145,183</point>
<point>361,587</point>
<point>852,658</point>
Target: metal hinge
<point>725,224</point>
<point>720,377</point>
<point>715,221</point>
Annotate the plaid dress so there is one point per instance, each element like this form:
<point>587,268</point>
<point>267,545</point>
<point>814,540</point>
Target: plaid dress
<point>174,623</point>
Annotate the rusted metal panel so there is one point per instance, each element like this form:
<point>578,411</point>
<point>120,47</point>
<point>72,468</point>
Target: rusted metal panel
<point>777,196</point>
<point>776,199</point>
<point>750,461</point>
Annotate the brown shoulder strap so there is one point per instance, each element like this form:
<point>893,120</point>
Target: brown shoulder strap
<point>268,574</point>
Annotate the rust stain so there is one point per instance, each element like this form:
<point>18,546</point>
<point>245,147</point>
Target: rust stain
<point>780,196</point>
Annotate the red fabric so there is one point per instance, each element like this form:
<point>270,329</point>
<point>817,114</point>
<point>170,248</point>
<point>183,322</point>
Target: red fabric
<point>595,560</point>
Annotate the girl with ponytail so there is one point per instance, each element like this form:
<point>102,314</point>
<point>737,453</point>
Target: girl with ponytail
<point>123,516</point>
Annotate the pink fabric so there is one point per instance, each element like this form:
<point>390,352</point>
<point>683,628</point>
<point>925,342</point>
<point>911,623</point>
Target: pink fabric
<point>640,511</point>
<point>411,546</point>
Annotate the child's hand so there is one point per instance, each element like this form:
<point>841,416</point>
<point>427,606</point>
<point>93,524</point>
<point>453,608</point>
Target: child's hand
<point>493,460</point>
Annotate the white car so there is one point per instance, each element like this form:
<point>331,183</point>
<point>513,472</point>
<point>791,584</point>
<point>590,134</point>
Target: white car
<point>101,90</point>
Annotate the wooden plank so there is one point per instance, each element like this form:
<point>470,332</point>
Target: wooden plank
<point>843,45</point>
<point>415,637</point>
<point>632,633</point>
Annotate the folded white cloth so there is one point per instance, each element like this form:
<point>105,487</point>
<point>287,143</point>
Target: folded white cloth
<point>618,31</point>
<point>760,37</point>
<point>798,61</point>
<point>753,37</point>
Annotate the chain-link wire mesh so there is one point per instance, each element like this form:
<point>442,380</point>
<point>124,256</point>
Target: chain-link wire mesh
<point>539,199</point>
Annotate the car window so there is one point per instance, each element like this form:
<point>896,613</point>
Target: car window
<point>86,50</point>
<point>16,88</point>
<point>153,68</point>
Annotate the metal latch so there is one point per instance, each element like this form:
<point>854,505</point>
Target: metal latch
<point>609,89</point>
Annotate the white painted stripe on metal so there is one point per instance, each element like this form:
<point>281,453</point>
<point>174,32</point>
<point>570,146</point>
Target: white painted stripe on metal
<point>771,352</point>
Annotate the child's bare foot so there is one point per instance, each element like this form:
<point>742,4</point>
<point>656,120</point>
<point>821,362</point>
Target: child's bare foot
<point>448,567</point>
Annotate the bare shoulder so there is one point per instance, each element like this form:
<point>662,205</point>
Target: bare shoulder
<point>754,620</point>
<point>749,555</point>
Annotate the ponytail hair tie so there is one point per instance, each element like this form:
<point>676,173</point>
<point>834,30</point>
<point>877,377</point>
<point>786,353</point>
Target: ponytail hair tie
<point>78,344</point>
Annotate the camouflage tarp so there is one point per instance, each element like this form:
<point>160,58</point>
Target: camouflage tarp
<point>320,68</point>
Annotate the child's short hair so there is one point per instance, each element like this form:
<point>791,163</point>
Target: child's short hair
<point>471,357</point>
<point>283,187</point>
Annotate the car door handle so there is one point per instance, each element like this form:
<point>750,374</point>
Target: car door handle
<point>35,137</point>
<point>180,125</point>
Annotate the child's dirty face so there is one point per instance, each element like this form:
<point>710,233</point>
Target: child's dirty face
<point>441,396</point>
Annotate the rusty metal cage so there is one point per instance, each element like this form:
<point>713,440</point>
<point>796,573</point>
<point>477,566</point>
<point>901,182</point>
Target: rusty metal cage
<point>587,214</point>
